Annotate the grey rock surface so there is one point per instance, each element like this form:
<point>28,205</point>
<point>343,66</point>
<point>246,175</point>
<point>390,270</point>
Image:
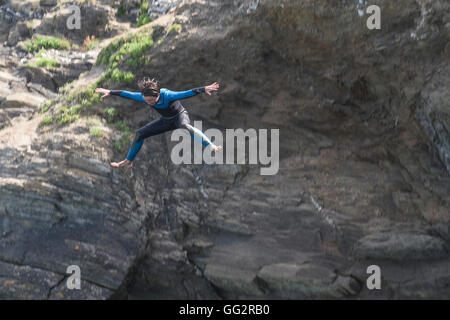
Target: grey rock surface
<point>363,175</point>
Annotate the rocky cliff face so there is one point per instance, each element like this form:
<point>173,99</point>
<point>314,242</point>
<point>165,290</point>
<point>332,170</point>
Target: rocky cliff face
<point>364,155</point>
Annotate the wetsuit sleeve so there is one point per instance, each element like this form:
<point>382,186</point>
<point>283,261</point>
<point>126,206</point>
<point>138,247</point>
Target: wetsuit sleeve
<point>128,94</point>
<point>178,95</point>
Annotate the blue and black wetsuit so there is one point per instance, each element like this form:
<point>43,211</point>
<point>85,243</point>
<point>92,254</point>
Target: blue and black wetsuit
<point>173,116</point>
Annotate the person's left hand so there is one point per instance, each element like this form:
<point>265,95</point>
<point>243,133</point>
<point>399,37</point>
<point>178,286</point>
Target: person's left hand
<point>211,87</point>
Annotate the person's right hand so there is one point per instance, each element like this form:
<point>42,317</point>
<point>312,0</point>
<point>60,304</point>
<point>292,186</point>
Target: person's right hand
<point>105,92</point>
<point>211,87</point>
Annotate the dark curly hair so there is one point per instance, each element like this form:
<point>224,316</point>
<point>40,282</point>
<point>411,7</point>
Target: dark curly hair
<point>149,87</point>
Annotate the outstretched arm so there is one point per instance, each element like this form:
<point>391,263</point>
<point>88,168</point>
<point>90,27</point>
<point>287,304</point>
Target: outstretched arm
<point>122,93</point>
<point>178,95</point>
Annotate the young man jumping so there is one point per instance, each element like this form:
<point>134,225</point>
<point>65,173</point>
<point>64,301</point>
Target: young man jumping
<point>167,104</point>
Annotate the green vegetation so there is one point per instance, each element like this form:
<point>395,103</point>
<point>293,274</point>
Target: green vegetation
<point>43,61</point>
<point>69,114</point>
<point>85,96</point>
<point>75,109</point>
<point>125,138</point>
<point>47,63</point>
<point>46,121</point>
<point>122,126</point>
<point>143,19</point>
<point>43,42</point>
<point>116,76</point>
<point>130,50</point>
<point>96,132</point>
<point>89,43</point>
<point>121,77</point>
<point>120,11</point>
<point>76,102</point>
<point>118,145</point>
<point>143,15</point>
<point>46,105</point>
<point>105,55</point>
<point>86,103</point>
<point>174,27</point>
<point>73,103</point>
<point>65,89</point>
<point>110,113</point>
<point>64,118</point>
<point>94,122</point>
<point>144,7</point>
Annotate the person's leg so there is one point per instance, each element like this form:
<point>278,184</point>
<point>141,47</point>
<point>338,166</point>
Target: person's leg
<point>184,122</point>
<point>153,128</point>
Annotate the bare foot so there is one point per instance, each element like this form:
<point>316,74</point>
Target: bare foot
<point>216,148</point>
<point>126,163</point>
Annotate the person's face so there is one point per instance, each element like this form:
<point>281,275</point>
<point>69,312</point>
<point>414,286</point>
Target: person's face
<point>151,99</point>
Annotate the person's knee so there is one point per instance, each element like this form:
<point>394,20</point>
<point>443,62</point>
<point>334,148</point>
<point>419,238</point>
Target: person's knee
<point>137,136</point>
<point>188,127</point>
